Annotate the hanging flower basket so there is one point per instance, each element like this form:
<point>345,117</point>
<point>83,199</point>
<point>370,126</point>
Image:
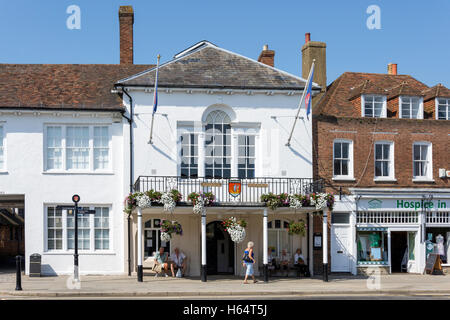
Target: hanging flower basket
<point>297,228</point>
<point>143,200</point>
<point>201,200</point>
<point>235,228</point>
<point>322,200</point>
<point>147,199</point>
<point>274,201</point>
<point>168,228</point>
<point>169,199</point>
<point>297,201</point>
<point>129,203</point>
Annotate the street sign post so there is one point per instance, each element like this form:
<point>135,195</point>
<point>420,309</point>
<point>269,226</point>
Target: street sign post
<point>74,208</point>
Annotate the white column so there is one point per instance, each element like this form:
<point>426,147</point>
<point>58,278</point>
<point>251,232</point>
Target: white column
<point>325,243</point>
<point>389,251</point>
<point>139,244</point>
<point>265,239</point>
<point>203,231</point>
<point>265,247</point>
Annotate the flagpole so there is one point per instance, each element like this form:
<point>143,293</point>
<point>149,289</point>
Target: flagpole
<point>155,97</point>
<point>300,105</point>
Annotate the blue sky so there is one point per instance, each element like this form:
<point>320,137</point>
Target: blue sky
<point>414,34</point>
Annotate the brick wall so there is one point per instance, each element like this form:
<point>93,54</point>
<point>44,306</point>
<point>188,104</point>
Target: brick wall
<point>403,132</point>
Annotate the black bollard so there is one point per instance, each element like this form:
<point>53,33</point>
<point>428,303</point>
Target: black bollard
<point>18,274</point>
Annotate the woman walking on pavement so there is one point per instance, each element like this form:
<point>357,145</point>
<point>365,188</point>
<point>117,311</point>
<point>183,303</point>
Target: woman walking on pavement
<point>248,262</point>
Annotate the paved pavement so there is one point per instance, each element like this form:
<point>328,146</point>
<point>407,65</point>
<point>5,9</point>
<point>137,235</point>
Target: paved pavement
<point>225,287</point>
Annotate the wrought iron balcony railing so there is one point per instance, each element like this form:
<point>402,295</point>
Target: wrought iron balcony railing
<point>250,189</point>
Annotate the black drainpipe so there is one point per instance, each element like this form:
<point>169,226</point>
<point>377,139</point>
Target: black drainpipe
<point>130,121</point>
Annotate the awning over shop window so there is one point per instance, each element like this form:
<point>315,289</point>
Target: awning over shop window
<point>371,229</point>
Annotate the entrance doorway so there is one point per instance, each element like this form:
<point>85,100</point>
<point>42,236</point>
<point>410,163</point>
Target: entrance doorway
<point>399,245</point>
<point>12,230</point>
<point>219,249</point>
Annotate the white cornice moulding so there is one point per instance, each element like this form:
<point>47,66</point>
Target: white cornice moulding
<point>218,91</point>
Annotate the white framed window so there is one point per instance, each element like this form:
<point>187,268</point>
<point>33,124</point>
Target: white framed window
<point>101,228</point>
<point>54,229</point>
<point>54,147</point>
<point>93,230</point>
<point>411,107</point>
<point>188,154</point>
<point>342,159</point>
<point>384,160</point>
<point>84,232</point>
<point>246,156</point>
<point>152,238</point>
<point>422,161</point>
<point>442,109</point>
<point>76,148</point>
<point>373,106</point>
<point>2,149</point>
<point>218,145</point>
<point>101,148</point>
<point>278,237</point>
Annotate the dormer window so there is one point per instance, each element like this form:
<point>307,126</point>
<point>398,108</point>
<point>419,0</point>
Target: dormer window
<point>373,106</point>
<point>411,107</point>
<point>443,109</point>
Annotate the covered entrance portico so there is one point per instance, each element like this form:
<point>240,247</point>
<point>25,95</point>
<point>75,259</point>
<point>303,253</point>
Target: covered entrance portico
<point>208,246</point>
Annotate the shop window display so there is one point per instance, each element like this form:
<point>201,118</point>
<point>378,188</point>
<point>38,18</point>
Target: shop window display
<point>372,247</point>
<point>438,241</point>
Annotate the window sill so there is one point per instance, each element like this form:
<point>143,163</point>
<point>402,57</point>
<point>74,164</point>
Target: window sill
<point>79,172</point>
<point>343,179</point>
<point>422,180</point>
<point>385,180</point>
<point>87,253</point>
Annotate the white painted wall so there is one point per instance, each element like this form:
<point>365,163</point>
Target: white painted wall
<point>273,156</point>
<point>25,175</point>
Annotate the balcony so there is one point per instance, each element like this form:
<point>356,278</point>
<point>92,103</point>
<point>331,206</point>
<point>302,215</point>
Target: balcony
<point>251,189</point>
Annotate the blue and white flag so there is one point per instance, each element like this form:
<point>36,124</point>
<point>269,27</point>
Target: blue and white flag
<point>155,95</point>
<point>155,101</point>
<point>308,97</point>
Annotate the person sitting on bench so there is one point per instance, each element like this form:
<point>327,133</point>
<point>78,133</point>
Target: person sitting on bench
<point>161,262</point>
<point>272,262</point>
<point>284,262</point>
<point>299,263</point>
<point>178,262</point>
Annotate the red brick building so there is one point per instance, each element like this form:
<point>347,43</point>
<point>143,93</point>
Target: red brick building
<point>381,143</point>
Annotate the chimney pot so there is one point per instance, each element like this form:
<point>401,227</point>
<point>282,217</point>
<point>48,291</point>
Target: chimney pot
<point>392,68</point>
<point>307,37</point>
<point>267,56</point>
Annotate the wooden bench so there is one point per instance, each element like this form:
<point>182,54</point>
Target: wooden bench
<point>293,271</point>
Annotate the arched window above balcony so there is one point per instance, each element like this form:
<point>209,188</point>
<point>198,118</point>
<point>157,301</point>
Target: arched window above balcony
<point>218,145</point>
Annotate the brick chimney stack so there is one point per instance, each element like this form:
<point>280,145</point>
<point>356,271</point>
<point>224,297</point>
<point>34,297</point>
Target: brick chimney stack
<point>267,56</point>
<point>315,50</point>
<point>392,68</point>
<point>126,20</point>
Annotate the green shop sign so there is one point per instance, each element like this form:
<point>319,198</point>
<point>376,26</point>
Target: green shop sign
<point>421,204</point>
<point>416,204</point>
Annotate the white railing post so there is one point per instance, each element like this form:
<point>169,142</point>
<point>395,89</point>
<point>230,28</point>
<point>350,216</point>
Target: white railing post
<point>140,273</point>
